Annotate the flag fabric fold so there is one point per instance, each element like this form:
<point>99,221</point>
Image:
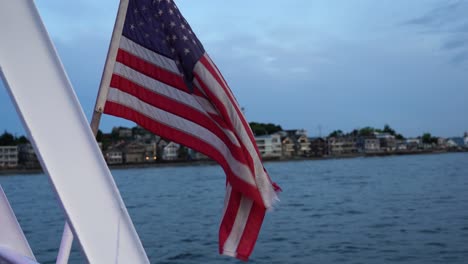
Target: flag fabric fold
<point>164,81</point>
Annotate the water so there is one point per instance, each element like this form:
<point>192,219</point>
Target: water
<point>405,209</point>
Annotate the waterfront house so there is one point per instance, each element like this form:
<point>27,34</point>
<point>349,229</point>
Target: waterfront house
<point>387,142</point>
<point>27,156</point>
<point>113,156</point>
<point>8,156</point>
<point>122,132</point>
<point>413,143</point>
<point>369,144</point>
<point>287,147</point>
<point>318,147</point>
<point>455,143</point>
<point>300,140</point>
<point>401,145</point>
<point>195,155</point>
<point>134,152</point>
<point>465,139</point>
<point>151,151</point>
<point>171,151</point>
<point>338,146</point>
<point>269,146</point>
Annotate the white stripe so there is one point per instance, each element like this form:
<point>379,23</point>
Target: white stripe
<point>198,103</point>
<point>232,242</point>
<point>226,199</point>
<point>263,183</point>
<point>148,55</point>
<point>157,86</point>
<point>184,125</point>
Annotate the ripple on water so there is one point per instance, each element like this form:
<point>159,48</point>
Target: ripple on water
<point>186,256</point>
<point>431,231</point>
<point>436,244</point>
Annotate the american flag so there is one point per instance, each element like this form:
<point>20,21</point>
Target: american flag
<point>164,81</point>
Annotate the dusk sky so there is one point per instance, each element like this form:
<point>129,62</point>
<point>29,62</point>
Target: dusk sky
<point>299,63</point>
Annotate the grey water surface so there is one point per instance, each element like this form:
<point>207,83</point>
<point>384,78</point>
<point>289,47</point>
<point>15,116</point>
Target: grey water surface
<point>399,209</point>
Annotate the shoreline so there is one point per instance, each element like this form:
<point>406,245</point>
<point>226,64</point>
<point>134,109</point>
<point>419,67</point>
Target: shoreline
<point>31,171</point>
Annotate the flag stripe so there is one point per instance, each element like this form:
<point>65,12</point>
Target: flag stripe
<point>150,56</point>
<point>222,113</point>
<point>241,217</point>
<point>154,85</point>
<point>251,231</point>
<point>165,82</point>
<point>188,139</point>
<point>231,209</point>
<point>216,82</point>
<point>151,70</point>
<point>180,108</point>
<point>228,108</point>
<point>183,125</point>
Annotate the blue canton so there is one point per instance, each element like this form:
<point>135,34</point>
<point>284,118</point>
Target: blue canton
<point>159,26</point>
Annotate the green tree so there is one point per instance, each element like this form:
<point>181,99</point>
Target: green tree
<point>399,136</point>
<point>7,139</point>
<point>22,140</point>
<point>182,153</point>
<point>366,131</point>
<point>264,129</point>
<point>99,135</point>
<point>336,133</point>
<point>427,138</point>
<point>389,130</point>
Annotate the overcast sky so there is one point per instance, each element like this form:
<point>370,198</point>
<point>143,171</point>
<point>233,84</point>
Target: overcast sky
<point>300,63</point>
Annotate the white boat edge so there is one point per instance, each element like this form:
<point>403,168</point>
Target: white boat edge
<point>11,234</point>
<point>60,134</point>
<point>9,256</point>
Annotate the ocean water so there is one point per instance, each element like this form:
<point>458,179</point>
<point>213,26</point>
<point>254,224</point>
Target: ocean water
<point>402,209</point>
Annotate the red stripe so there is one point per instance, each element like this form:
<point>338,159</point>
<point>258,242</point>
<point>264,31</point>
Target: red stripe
<point>151,70</point>
<point>232,102</point>
<point>223,113</point>
<point>183,138</point>
<point>206,61</point>
<point>251,231</point>
<point>180,109</point>
<point>229,217</point>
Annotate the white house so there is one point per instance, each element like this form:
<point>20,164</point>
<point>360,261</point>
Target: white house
<point>170,151</point>
<point>8,156</point>
<point>114,156</point>
<point>269,145</point>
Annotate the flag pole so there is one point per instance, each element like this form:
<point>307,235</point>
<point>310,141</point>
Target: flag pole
<point>67,236</point>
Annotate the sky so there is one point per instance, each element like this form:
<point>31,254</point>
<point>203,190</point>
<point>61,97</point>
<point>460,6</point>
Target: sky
<point>317,65</point>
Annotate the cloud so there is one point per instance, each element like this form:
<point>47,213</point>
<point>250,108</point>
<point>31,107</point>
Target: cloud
<point>450,20</point>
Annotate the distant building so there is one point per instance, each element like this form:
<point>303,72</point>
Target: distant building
<point>269,146</point>
<point>195,155</point>
<point>455,142</point>
<point>122,132</point>
<point>387,142</point>
<point>113,156</point>
<point>318,147</point>
<point>342,146</point>
<point>401,145</point>
<point>465,139</point>
<point>287,147</point>
<point>170,151</point>
<point>27,156</point>
<point>300,140</point>
<point>134,153</point>
<point>368,144</point>
<point>413,143</point>
<point>9,156</point>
